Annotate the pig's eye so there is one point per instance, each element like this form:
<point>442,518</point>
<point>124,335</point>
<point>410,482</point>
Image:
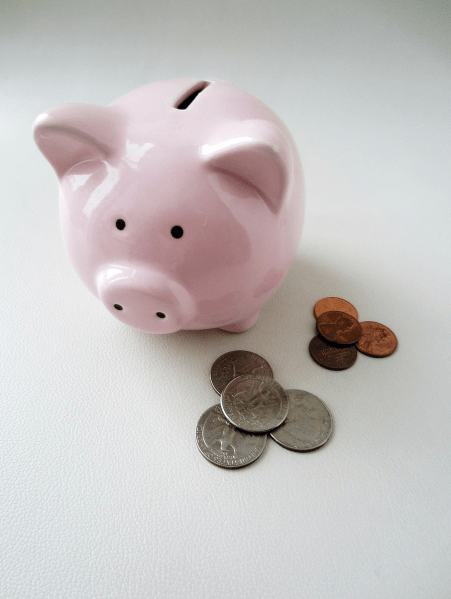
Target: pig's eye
<point>120,224</point>
<point>177,232</point>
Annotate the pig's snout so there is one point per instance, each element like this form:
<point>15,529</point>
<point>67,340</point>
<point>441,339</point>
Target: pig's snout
<point>145,299</point>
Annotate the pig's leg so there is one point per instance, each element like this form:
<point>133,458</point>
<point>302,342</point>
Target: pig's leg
<point>241,325</point>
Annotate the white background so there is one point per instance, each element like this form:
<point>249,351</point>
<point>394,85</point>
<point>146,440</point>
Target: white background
<point>103,492</point>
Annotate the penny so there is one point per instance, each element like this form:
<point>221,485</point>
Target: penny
<point>377,340</point>
<point>308,424</point>
<point>223,444</point>
<point>235,363</point>
<point>254,403</point>
<point>334,304</point>
<point>330,356</point>
<point>339,327</point>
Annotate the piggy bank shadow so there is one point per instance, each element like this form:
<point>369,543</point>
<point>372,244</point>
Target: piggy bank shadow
<point>281,334</point>
<point>289,311</point>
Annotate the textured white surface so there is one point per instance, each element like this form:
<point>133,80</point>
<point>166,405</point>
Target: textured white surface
<point>103,492</point>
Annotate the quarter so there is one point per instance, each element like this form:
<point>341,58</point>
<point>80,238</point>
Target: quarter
<point>308,424</point>
<point>235,363</point>
<point>224,445</point>
<point>254,403</point>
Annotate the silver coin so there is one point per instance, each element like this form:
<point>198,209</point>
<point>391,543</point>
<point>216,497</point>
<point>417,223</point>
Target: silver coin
<point>223,444</point>
<point>308,424</point>
<point>254,403</point>
<point>235,363</point>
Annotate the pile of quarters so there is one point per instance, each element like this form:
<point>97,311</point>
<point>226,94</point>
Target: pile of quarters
<point>233,433</point>
<point>340,335</point>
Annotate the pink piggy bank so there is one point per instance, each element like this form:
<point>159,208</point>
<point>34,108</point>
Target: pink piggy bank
<point>181,202</point>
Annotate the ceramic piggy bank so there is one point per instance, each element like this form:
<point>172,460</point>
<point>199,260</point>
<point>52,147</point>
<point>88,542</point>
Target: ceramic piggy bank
<point>181,202</point>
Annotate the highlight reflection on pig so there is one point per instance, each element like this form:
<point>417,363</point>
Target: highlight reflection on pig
<point>181,202</point>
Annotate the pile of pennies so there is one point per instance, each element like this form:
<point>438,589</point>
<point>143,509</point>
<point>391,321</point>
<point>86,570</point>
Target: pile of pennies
<point>234,432</point>
<point>340,335</point>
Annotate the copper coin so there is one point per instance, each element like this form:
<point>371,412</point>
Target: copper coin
<point>334,304</point>
<point>339,327</point>
<point>377,340</point>
<point>331,356</point>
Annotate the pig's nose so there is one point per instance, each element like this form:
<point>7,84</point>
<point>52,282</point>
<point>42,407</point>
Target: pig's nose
<point>145,298</point>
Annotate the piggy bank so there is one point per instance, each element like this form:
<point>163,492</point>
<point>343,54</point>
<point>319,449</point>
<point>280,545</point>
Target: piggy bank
<point>181,202</point>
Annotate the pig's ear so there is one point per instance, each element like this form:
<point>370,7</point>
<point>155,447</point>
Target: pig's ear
<point>256,152</point>
<point>72,133</point>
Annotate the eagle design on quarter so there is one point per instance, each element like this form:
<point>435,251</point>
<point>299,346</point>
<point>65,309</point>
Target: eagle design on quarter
<point>220,435</point>
<point>224,445</point>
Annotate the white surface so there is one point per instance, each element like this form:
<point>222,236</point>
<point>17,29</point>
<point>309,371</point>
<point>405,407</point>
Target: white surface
<point>103,492</point>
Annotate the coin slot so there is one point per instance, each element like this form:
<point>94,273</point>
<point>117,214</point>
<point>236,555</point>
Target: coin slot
<point>188,98</point>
